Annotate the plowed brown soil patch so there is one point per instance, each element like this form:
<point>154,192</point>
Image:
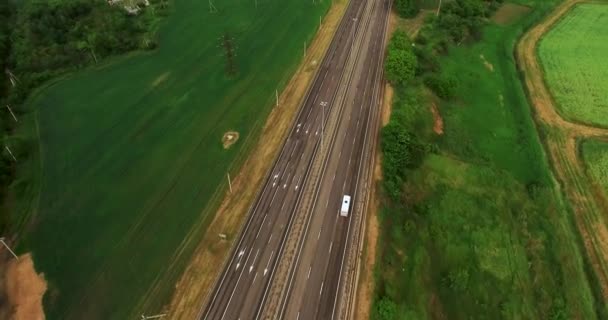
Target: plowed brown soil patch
<point>561,144</point>
<point>24,289</point>
<point>437,120</point>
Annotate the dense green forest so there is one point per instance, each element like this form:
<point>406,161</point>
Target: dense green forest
<point>40,40</point>
<point>472,225</point>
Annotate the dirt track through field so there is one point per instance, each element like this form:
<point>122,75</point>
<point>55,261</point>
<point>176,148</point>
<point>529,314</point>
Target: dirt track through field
<point>562,138</point>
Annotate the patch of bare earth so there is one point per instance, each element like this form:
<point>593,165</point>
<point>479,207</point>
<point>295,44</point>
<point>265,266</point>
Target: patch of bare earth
<point>437,120</point>
<point>229,139</point>
<point>561,143</point>
<point>23,290</point>
<point>192,290</point>
<point>509,12</point>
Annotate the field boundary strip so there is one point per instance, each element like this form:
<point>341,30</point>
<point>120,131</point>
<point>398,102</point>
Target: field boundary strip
<point>561,139</point>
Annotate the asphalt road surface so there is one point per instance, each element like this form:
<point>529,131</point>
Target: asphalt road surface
<point>316,277</point>
<point>349,74</point>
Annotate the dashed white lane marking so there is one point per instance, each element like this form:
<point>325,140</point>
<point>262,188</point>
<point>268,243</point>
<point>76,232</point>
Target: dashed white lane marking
<point>326,203</point>
<point>257,234</point>
<point>269,238</point>
<point>316,132</point>
<point>255,277</point>
<point>252,263</point>
<point>309,269</point>
<point>319,235</point>
<point>298,317</point>
<point>334,178</point>
<point>321,291</point>
<point>268,264</point>
<point>240,256</point>
<point>284,186</point>
<point>330,245</point>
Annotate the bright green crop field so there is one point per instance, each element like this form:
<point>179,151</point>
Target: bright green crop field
<point>131,153</point>
<point>595,154</point>
<point>573,55</point>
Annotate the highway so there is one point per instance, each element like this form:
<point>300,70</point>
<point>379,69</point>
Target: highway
<point>314,282</point>
<point>332,124</point>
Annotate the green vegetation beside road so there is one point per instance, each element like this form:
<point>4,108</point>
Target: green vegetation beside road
<point>573,55</point>
<point>472,224</point>
<point>595,155</point>
<point>130,154</point>
<point>40,40</point>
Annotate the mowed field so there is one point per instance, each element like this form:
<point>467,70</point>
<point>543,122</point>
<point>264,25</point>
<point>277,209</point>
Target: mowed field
<point>573,56</point>
<point>131,152</point>
<point>595,154</point>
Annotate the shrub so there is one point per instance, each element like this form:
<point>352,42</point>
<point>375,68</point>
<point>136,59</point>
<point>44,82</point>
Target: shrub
<point>385,309</point>
<point>442,85</point>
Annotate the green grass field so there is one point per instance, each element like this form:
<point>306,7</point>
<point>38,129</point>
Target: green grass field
<point>573,55</point>
<point>595,154</point>
<point>480,231</point>
<point>131,153</point>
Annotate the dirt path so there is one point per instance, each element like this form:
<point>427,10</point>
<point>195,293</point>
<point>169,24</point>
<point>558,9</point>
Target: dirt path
<point>561,141</point>
<point>206,264</point>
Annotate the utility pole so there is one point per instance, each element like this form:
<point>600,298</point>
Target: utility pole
<point>9,249</point>
<point>153,317</point>
<point>352,45</point>
<point>438,8</point>
<point>9,151</point>
<point>212,8</point>
<point>323,105</point>
<point>276,94</point>
<point>11,77</point>
<point>229,182</point>
<point>12,114</point>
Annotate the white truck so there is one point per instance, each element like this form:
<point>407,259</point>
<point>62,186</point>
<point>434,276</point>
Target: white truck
<point>345,206</point>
